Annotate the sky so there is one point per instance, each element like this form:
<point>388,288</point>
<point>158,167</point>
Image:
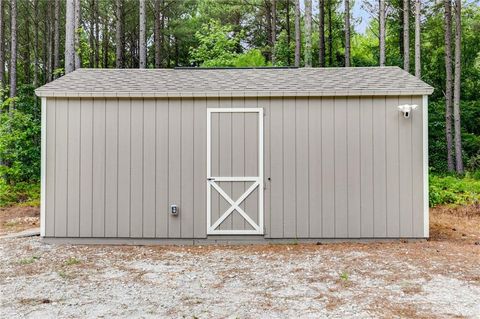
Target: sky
<point>357,13</point>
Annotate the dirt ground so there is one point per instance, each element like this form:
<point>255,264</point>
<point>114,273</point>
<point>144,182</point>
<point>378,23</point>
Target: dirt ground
<point>18,218</point>
<point>439,278</point>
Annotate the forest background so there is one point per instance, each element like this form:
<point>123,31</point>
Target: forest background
<point>438,41</point>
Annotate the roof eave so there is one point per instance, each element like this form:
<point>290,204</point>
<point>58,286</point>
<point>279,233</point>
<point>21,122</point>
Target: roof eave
<point>47,93</point>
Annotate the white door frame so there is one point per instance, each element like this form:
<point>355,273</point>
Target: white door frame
<point>257,181</point>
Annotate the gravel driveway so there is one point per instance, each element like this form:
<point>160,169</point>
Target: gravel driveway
<point>416,279</point>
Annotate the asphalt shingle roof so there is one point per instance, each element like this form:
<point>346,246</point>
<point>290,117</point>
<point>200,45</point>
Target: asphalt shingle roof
<point>236,82</point>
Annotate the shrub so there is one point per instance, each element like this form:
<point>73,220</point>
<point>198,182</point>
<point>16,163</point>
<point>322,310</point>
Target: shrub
<point>19,147</point>
<point>23,193</point>
<point>452,189</point>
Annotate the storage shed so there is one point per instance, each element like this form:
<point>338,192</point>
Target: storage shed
<point>194,155</point>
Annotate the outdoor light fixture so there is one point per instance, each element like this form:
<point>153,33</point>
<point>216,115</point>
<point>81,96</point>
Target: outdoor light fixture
<point>406,109</point>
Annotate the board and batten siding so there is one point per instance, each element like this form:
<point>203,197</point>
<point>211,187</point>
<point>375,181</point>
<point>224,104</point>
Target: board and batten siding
<point>334,167</point>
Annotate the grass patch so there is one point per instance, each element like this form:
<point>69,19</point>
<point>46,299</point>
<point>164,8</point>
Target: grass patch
<point>72,261</point>
<point>455,190</point>
<point>344,276</point>
<point>28,260</point>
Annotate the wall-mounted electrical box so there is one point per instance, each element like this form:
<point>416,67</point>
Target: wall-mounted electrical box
<point>174,209</point>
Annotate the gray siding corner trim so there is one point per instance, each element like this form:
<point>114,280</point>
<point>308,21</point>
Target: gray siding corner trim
<point>426,194</point>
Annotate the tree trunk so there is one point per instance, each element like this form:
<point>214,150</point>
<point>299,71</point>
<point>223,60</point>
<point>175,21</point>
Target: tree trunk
<point>321,32</point>
<point>297,33</point>
<point>105,41</point>
<point>268,18</point>
<point>2,52</point>
<point>45,42</point>
<point>50,40</point>
<point>456,87</point>
<point>56,36</point>
<point>13,52</point>
<point>406,36</point>
<point>162,34</point>
<point>97,36</point>
<point>347,33</point>
<point>157,35</point>
<point>308,33</point>
<point>70,37</point>
<point>91,37</point>
<point>289,37</point>
<point>119,37</point>
<point>274,28</point>
<point>78,28</point>
<point>382,31</point>
<point>142,40</point>
<point>418,65</point>
<point>35,44</point>
<point>448,84</point>
<point>330,33</point>
<point>176,50</point>
<point>27,76</point>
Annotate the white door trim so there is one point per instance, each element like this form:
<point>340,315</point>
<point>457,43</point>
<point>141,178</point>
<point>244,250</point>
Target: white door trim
<point>257,181</point>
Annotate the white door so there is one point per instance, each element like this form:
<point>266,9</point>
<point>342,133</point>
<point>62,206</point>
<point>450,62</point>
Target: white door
<point>231,212</point>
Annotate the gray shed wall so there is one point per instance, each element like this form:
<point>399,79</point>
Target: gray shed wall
<point>339,167</point>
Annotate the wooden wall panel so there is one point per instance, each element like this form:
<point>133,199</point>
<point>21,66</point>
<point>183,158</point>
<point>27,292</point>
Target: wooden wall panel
<point>341,168</point>
<point>366,168</point>
<point>174,166</point>
<point>405,167</point>
<point>124,167</point>
<point>98,167</point>
<point>199,167</point>
<point>162,173</point>
<point>276,168</point>
<point>111,167</point>
<point>328,167</point>
<point>73,187</point>
<point>149,161</point>
<point>379,165</point>
<point>393,167</point>
<point>86,167</point>
<point>354,172</point>
<point>187,163</point>
<point>315,166</point>
<point>289,170</point>
<point>61,167</point>
<point>302,168</point>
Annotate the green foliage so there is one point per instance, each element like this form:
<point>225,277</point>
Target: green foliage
<point>437,139</point>
<point>23,193</point>
<point>28,260</point>
<point>72,261</point>
<point>218,45</point>
<point>252,58</point>
<point>284,52</point>
<point>364,50</point>
<point>344,276</point>
<point>20,147</point>
<point>455,190</point>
